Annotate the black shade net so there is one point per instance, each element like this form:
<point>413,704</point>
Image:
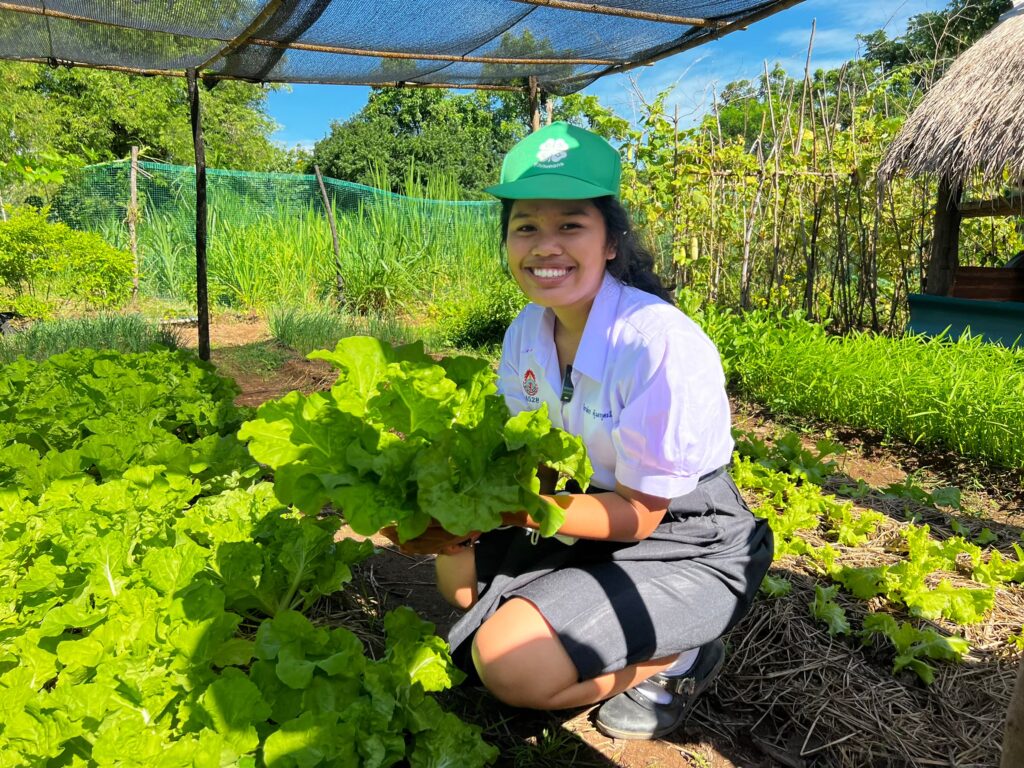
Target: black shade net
<point>565,44</point>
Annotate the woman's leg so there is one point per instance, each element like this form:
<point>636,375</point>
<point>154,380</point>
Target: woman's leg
<point>523,663</point>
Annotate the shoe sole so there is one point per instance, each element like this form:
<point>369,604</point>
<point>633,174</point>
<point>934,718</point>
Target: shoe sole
<point>615,733</point>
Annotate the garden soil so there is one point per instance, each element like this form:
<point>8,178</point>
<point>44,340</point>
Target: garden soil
<point>790,695</point>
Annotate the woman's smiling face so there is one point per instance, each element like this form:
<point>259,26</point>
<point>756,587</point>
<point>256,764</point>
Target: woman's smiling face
<point>557,250</point>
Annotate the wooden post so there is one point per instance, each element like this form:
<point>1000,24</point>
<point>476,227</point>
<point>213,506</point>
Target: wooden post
<point>133,217</point>
<point>551,108</point>
<point>339,281</point>
<point>534,104</point>
<point>1013,731</point>
<point>945,239</point>
<point>202,300</point>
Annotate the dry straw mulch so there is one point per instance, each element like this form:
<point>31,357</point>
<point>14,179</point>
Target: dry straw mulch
<point>807,699</point>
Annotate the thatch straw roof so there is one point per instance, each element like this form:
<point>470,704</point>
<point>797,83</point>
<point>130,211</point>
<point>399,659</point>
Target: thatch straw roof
<point>972,119</point>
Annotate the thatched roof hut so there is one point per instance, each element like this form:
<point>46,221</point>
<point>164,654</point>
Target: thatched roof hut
<point>970,125</point>
<point>972,119</point>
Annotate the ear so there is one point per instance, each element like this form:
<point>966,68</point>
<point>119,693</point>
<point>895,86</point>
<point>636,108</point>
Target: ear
<point>611,251</point>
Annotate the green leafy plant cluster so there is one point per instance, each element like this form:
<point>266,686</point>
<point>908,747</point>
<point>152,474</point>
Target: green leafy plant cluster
<point>960,395</point>
<point>44,266</point>
<point>475,318</point>
<point>912,644</point>
<point>101,412</point>
<point>150,618</point>
<point>402,439</point>
<point>793,504</point>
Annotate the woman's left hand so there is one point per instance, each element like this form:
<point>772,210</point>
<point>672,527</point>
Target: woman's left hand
<point>433,541</point>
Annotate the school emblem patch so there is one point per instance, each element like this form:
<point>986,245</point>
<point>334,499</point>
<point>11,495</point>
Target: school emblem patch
<point>530,383</point>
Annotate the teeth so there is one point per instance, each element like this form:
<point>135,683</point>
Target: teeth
<point>547,272</point>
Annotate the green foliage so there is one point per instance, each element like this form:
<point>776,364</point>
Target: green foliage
<point>476,316</point>
<point>787,454</point>
<point>100,413</point>
<point>935,37</point>
<point>825,609</point>
<point>961,395</point>
<point>402,439</point>
<point>441,133</point>
<point>119,333</point>
<point>771,201</point>
<point>309,329</point>
<point>59,265</point>
<point>98,116</point>
<point>914,645</point>
<point>150,614</point>
<point>775,586</point>
<point>432,130</point>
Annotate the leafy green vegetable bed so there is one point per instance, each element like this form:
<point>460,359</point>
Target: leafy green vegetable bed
<point>964,396</point>
<point>152,591</point>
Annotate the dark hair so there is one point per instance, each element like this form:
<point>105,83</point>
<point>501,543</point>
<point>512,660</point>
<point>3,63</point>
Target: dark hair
<point>633,263</point>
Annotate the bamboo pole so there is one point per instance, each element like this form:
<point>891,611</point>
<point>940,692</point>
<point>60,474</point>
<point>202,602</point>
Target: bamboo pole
<point>202,298</point>
<point>628,13</point>
<point>339,281</point>
<point>133,217</point>
<point>534,104</point>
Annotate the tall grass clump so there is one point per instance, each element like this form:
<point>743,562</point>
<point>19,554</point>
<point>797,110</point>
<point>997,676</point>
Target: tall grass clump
<point>307,329</point>
<point>123,333</point>
<point>962,395</point>
<point>396,253</point>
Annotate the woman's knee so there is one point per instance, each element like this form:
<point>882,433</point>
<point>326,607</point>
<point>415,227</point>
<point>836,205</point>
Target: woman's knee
<point>520,658</point>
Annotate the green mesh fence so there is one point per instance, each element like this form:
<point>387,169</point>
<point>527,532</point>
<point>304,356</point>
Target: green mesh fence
<point>99,194</point>
<point>269,238</point>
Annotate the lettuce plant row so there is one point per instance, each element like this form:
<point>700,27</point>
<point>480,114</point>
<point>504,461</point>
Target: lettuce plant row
<point>152,608</point>
<point>787,480</point>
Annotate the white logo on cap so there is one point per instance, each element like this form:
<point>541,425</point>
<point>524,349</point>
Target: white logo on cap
<point>552,151</point>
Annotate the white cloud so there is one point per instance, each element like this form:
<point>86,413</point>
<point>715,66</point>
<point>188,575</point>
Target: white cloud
<point>305,144</point>
<point>869,15</point>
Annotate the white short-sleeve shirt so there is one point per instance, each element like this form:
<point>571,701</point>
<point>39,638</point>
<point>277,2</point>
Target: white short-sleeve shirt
<point>648,395</point>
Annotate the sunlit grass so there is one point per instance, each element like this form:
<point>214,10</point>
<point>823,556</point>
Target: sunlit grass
<point>124,333</point>
<point>962,395</point>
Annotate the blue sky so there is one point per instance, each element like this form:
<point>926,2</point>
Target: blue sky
<point>306,112</point>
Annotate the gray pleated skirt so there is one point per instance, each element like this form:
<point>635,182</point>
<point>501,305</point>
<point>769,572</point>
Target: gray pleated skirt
<point>615,604</point>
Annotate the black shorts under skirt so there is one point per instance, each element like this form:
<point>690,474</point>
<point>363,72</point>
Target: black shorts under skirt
<point>616,604</point>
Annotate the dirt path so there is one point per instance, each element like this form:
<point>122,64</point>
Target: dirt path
<point>782,668</point>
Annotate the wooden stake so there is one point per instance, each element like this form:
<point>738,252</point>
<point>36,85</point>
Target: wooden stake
<point>339,286</point>
<point>133,217</point>
<point>534,104</point>
<point>945,239</point>
<point>202,298</point>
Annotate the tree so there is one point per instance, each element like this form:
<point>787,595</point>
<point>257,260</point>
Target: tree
<point>96,116</point>
<point>933,39</point>
<point>430,130</point>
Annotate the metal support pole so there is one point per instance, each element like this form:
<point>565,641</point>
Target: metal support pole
<point>133,218</point>
<point>202,300</point>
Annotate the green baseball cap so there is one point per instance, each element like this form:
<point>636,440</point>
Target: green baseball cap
<point>559,162</point>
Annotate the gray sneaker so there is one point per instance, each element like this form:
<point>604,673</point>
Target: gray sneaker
<point>632,715</point>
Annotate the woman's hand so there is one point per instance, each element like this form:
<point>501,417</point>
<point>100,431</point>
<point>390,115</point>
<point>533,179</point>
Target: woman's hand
<point>433,541</point>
